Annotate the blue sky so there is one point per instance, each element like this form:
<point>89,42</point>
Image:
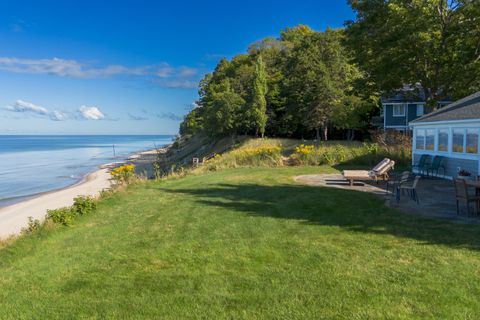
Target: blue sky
<point>127,67</point>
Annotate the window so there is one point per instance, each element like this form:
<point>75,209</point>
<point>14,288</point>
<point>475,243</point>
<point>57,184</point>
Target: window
<point>420,110</point>
<point>443,140</point>
<point>430,139</point>
<point>420,140</point>
<point>399,110</point>
<point>458,137</point>
<point>472,140</point>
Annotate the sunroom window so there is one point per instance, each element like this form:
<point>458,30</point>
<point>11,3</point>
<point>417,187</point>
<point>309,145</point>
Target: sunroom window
<point>458,139</point>
<point>430,139</point>
<point>472,140</point>
<point>443,140</point>
<point>420,139</point>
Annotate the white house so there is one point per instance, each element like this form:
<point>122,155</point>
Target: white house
<point>451,132</point>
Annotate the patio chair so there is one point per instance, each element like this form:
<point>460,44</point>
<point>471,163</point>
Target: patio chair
<point>436,165</point>
<point>411,190</point>
<point>380,171</point>
<point>398,181</point>
<point>462,194</point>
<point>422,163</point>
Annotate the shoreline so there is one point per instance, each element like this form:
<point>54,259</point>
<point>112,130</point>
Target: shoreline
<point>14,217</point>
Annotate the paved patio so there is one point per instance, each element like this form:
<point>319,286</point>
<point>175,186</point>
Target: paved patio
<point>437,196</point>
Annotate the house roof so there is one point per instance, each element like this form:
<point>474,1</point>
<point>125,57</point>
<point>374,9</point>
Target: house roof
<point>467,108</point>
<point>408,93</point>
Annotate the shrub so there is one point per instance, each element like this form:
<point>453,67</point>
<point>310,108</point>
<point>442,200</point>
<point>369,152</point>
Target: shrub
<point>84,205</point>
<point>334,153</point>
<point>123,174</point>
<point>267,156</point>
<point>63,216</point>
<point>106,193</point>
<point>33,225</point>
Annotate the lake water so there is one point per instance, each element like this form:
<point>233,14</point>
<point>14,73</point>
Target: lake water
<point>33,164</point>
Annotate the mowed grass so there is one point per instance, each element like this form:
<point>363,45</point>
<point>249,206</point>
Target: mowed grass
<point>244,244</point>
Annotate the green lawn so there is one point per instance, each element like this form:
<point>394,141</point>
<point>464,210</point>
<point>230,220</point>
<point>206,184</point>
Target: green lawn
<point>244,244</point>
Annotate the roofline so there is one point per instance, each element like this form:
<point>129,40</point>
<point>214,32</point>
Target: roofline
<point>413,102</point>
<point>413,123</point>
<point>445,109</point>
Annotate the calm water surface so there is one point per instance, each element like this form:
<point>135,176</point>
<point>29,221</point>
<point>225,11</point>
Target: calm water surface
<point>35,164</point>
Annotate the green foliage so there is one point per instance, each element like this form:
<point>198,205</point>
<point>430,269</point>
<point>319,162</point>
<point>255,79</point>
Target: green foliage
<point>193,122</point>
<point>84,205</point>
<point>124,174</point>
<point>32,226</point>
<point>283,87</point>
<point>320,79</point>
<point>106,193</point>
<point>351,153</point>
<point>259,103</point>
<point>261,156</point>
<point>64,216</point>
<point>431,42</point>
<point>223,110</point>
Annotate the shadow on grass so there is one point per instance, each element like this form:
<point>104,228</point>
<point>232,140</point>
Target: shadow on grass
<point>351,210</point>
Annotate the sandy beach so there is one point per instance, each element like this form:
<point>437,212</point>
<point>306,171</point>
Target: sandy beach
<point>15,217</point>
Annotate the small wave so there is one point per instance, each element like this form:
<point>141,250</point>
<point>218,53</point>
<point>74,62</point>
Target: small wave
<point>72,176</point>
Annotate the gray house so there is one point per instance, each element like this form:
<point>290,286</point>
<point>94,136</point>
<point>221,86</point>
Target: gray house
<point>451,132</point>
<point>401,107</point>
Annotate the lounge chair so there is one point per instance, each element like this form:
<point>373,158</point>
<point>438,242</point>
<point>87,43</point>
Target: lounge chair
<point>380,171</point>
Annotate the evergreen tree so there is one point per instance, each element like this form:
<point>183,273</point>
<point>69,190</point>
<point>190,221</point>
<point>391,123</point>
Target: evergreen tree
<point>259,103</point>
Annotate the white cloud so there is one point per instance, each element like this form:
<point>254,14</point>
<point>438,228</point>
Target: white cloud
<point>177,84</point>
<point>187,72</point>
<point>25,106</point>
<point>73,68</point>
<point>91,113</point>
<point>56,115</point>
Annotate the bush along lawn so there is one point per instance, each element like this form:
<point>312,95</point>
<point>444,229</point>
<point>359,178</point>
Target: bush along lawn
<point>243,244</point>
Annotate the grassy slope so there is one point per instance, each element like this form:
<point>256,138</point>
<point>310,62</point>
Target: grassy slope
<point>244,243</point>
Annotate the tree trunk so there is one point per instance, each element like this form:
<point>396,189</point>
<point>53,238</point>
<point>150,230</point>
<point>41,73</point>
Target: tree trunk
<point>325,133</point>
<point>317,131</point>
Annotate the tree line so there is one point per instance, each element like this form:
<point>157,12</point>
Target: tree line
<point>307,83</point>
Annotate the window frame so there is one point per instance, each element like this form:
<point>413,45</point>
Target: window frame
<point>434,140</point>
<point>404,107</point>
<point>438,140</point>
<point>465,141</point>
<point>424,139</point>
<point>420,106</point>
